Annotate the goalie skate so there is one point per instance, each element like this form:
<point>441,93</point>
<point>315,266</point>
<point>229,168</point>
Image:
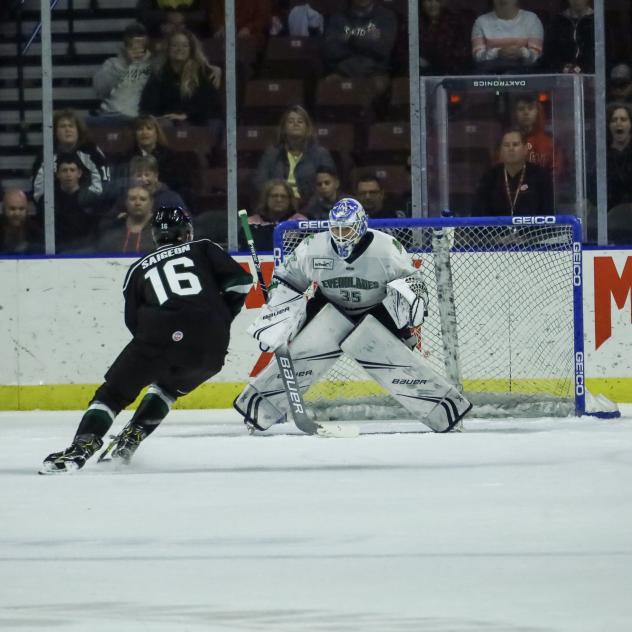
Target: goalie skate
<point>73,458</point>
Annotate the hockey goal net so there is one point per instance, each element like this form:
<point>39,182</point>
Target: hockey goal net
<point>504,323</point>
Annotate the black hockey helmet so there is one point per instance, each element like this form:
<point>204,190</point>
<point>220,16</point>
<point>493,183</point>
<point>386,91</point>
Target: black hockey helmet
<point>171,225</point>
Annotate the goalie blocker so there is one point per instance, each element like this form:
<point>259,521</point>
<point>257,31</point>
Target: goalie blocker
<point>403,373</point>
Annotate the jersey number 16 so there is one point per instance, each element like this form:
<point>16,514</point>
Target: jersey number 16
<point>180,283</point>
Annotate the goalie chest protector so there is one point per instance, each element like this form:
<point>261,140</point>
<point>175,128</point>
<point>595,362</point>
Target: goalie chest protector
<point>355,284</point>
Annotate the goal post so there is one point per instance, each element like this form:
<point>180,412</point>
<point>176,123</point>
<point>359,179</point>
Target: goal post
<point>505,321</point>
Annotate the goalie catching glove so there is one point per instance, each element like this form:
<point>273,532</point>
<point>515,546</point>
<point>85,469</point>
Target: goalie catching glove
<point>406,301</point>
<point>280,319</point>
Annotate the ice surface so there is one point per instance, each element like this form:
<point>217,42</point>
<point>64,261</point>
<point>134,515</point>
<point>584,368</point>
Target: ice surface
<point>511,526</point>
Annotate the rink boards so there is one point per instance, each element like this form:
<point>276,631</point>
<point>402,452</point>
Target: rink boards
<point>63,326</point>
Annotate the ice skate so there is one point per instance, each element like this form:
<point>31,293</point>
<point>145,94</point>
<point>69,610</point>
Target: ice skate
<point>74,457</point>
<point>128,443</point>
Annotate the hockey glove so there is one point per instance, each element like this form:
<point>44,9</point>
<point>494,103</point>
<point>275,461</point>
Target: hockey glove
<point>280,319</point>
<point>406,301</point>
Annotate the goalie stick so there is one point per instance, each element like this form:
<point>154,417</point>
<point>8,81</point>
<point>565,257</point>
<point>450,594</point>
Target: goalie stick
<point>286,366</point>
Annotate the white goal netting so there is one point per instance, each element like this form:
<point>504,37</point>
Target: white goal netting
<point>501,320</point>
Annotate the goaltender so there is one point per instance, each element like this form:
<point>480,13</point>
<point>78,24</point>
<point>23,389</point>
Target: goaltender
<point>368,297</point>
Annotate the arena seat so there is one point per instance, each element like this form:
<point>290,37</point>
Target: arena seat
<point>199,139</point>
<point>246,52</point>
<point>255,138</point>
<point>399,106</point>
<point>113,141</point>
<point>342,99</point>
<point>252,141</point>
<point>388,142</point>
<point>336,137</point>
<point>266,99</point>
<point>292,58</point>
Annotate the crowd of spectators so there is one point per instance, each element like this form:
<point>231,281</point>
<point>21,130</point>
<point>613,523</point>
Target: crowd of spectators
<point>168,78</point>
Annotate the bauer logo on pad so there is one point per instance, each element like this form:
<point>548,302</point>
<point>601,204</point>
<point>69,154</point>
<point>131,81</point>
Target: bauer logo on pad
<point>323,264</point>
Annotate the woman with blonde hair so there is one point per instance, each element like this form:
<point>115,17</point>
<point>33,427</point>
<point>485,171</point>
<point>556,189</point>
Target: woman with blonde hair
<point>296,157</point>
<point>184,87</point>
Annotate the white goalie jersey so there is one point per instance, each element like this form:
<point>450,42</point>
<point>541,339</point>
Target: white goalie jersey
<point>355,284</point>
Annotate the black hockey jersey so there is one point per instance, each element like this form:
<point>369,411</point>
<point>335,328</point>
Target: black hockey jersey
<point>181,291</point>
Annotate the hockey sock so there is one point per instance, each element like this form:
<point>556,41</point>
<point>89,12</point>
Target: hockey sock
<point>96,420</point>
<point>153,408</point>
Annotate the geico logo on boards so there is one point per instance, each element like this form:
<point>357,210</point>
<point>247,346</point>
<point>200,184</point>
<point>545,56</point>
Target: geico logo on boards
<point>577,264</point>
<point>579,373</point>
<point>536,220</point>
<point>313,224</point>
<point>408,382</point>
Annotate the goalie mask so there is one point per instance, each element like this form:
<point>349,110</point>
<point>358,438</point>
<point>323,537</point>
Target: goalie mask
<point>348,223</point>
<point>171,225</point>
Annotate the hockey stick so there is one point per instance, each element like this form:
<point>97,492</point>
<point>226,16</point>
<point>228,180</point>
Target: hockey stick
<point>114,440</point>
<point>286,366</point>
<point>111,445</point>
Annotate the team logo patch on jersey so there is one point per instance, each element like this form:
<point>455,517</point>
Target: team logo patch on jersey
<point>176,336</point>
<point>323,263</point>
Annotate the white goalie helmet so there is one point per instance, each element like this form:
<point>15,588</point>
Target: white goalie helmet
<point>348,223</point>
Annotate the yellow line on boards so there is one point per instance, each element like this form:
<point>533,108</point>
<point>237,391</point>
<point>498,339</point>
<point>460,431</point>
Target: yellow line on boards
<point>77,396</point>
<point>222,394</point>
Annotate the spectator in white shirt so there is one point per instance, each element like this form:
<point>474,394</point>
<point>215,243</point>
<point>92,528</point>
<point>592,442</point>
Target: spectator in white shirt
<point>507,39</point>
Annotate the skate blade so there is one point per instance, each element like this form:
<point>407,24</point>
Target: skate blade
<point>51,468</point>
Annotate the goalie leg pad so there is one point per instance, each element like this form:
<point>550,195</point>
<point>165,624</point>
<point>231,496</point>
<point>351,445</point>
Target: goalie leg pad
<point>314,350</point>
<point>405,375</point>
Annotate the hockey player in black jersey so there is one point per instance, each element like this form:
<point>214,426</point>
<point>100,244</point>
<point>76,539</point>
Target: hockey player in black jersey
<point>180,301</point>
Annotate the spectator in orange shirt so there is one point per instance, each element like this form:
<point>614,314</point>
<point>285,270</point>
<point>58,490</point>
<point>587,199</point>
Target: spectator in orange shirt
<point>530,118</point>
